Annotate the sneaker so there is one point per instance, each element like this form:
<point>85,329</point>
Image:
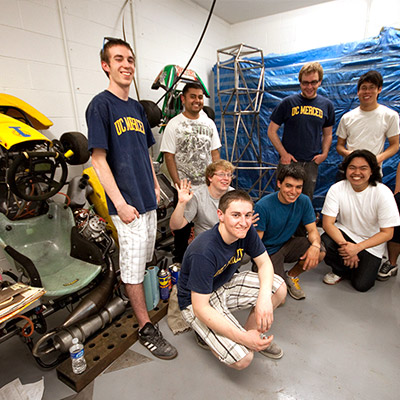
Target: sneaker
<point>151,338</point>
<point>294,287</point>
<point>332,279</point>
<point>272,351</point>
<point>201,342</point>
<point>386,271</point>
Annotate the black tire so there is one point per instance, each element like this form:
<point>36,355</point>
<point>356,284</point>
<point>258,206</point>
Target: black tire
<point>78,143</point>
<point>210,112</point>
<point>152,111</point>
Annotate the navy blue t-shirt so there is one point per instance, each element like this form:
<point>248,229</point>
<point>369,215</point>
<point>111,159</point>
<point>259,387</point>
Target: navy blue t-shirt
<point>279,221</point>
<point>303,121</point>
<point>209,262</point>
<point>121,128</point>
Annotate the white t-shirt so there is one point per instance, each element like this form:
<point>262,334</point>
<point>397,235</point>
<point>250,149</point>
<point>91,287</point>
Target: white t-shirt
<point>368,129</point>
<point>202,210</point>
<point>361,214</point>
<point>191,140</point>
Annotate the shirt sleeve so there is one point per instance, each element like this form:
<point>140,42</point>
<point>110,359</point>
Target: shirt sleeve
<point>263,215</point>
<point>393,128</point>
<point>216,142</point>
<point>330,121</point>
<point>98,126</point>
<point>191,209</point>
<point>278,115</point>
<point>201,276</point>
<point>341,130</point>
<point>168,142</point>
<point>308,214</point>
<point>254,247</point>
<point>331,204</point>
<point>388,213</point>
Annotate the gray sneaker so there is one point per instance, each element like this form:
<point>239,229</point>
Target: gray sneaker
<point>294,288</point>
<point>201,342</point>
<point>272,351</point>
<point>151,338</point>
<point>386,271</point>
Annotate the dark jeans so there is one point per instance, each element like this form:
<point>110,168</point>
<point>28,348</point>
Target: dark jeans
<point>363,277</point>
<point>181,236</point>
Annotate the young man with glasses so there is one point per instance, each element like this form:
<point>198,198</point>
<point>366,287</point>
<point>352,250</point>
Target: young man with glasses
<point>119,137</point>
<point>200,207</point>
<point>369,125</point>
<point>308,119</point>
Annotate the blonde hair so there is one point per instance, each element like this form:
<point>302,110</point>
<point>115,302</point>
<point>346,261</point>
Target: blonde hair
<point>311,67</point>
<point>216,165</point>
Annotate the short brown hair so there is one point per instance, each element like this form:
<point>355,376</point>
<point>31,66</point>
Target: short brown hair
<point>111,42</point>
<point>311,67</point>
<point>216,165</point>
<point>231,196</point>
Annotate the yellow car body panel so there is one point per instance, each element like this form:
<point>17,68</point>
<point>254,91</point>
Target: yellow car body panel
<point>13,132</point>
<point>37,119</point>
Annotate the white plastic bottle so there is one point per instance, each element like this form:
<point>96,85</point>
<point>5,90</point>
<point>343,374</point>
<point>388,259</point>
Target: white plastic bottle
<point>77,356</point>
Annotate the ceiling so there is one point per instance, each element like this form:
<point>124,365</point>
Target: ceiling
<point>234,11</point>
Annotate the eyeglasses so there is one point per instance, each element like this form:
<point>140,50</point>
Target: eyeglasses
<point>307,83</point>
<point>224,175</point>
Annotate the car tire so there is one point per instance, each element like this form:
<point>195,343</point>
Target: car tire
<point>210,112</point>
<point>78,143</point>
<point>152,111</point>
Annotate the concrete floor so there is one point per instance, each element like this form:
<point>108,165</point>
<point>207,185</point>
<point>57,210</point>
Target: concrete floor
<point>338,344</point>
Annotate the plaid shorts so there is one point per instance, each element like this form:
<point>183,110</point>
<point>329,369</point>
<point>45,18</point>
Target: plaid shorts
<point>239,293</point>
<point>136,245</point>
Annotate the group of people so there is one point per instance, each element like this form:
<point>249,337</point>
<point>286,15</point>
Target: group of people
<point>358,215</point>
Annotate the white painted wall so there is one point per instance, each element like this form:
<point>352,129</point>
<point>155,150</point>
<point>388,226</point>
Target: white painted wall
<point>49,48</point>
<point>322,25</point>
<point>34,61</point>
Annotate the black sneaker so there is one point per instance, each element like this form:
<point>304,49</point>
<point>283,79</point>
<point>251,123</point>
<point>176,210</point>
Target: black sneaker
<point>151,338</point>
<point>386,271</point>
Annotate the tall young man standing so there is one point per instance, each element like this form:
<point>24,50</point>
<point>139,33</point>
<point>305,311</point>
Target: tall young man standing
<point>119,138</point>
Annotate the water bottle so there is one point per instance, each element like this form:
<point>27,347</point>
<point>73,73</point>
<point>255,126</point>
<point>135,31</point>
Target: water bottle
<point>77,356</point>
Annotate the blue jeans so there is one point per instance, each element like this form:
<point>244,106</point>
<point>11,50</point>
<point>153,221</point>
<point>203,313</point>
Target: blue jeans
<point>363,277</point>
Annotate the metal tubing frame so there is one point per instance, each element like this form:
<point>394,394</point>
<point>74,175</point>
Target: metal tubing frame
<point>232,58</point>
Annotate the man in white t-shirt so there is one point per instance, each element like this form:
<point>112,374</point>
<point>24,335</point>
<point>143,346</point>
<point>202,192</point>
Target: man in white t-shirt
<point>359,215</point>
<point>190,142</point>
<point>368,126</point>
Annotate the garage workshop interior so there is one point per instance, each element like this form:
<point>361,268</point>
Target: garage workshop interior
<point>180,176</point>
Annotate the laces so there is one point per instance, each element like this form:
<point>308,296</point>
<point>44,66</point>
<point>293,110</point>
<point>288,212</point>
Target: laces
<point>296,283</point>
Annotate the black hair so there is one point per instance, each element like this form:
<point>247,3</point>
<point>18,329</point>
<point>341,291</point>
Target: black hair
<point>373,77</point>
<point>293,170</point>
<point>192,85</point>
<point>370,158</point>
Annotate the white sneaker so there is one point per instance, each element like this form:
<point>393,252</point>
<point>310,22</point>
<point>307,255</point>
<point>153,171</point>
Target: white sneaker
<point>332,279</point>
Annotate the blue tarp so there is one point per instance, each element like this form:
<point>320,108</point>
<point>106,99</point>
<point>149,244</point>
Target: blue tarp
<point>343,65</point>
